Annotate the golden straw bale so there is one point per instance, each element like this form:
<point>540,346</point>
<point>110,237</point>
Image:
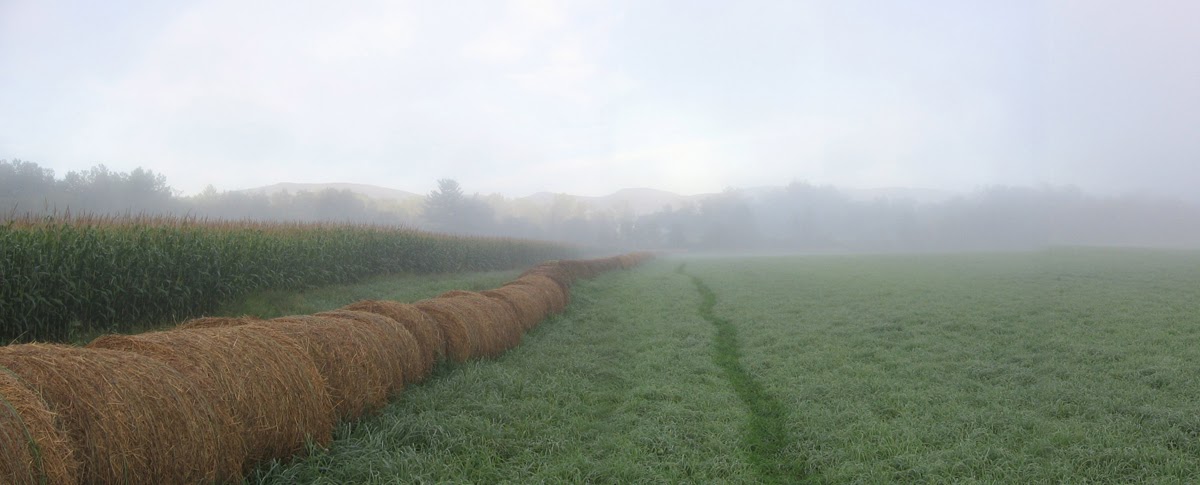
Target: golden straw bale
<point>553,270</point>
<point>400,354</point>
<point>525,303</point>
<point>547,299</point>
<point>32,448</point>
<point>498,314</point>
<point>461,335</point>
<point>577,269</point>
<point>356,383</point>
<point>626,261</point>
<point>275,391</point>
<point>488,341</point>
<point>422,327</point>
<point>131,418</point>
<point>550,298</point>
<point>559,297</point>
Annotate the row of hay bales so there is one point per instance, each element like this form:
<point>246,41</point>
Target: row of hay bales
<point>208,400</point>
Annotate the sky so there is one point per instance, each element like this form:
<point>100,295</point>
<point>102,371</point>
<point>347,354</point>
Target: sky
<point>588,97</point>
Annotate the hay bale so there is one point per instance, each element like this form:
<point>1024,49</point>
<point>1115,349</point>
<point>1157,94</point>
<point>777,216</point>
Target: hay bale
<point>524,302</point>
<point>559,297</point>
<point>627,261</point>
<point>274,390</point>
<point>578,269</point>
<point>555,271</point>
<point>356,383</point>
<point>544,300</point>
<point>506,327</point>
<point>422,327</point>
<point>547,297</point>
<point>131,418</point>
<point>488,340</point>
<point>32,448</point>
<point>461,335</point>
<point>398,353</point>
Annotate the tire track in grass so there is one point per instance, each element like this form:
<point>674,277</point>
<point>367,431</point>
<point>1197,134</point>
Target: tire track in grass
<point>767,435</point>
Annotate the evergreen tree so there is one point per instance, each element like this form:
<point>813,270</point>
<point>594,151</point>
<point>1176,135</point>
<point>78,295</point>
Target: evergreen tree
<point>444,207</point>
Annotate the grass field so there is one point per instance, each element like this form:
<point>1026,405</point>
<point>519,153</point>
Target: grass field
<point>1066,365</point>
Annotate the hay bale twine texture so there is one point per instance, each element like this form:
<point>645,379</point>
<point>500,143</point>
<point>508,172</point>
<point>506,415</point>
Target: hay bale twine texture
<point>131,418</point>
<point>462,341</point>
<point>488,341</point>
<point>422,327</point>
<point>529,309</point>
<point>497,314</point>
<point>399,352</point>
<point>577,269</point>
<point>32,447</point>
<point>356,383</point>
<point>274,390</point>
<point>555,271</point>
<point>556,295</point>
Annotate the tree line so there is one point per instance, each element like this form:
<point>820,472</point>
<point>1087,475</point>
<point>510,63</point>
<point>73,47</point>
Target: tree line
<point>796,217</point>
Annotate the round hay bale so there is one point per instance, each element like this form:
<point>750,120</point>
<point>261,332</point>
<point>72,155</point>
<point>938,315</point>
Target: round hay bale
<point>547,297</point>
<point>488,339</point>
<point>555,271</point>
<point>546,300</point>
<point>628,261</point>
<point>275,391</point>
<point>462,341</point>
<point>32,448</point>
<point>422,327</point>
<point>577,269</point>
<point>495,313</point>
<point>558,296</point>
<point>528,308</point>
<point>355,382</point>
<point>131,418</point>
<point>397,351</point>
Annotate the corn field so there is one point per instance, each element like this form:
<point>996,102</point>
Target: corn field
<point>64,275</point>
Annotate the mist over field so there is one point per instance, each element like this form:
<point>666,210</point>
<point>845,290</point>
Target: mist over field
<point>768,126</point>
<point>793,217</point>
<point>599,241</point>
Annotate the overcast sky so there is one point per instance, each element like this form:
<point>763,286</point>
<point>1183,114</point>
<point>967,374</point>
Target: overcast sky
<point>591,96</point>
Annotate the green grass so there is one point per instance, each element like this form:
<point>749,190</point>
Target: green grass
<point>1068,365</point>
<point>1059,366</point>
<point>766,435</point>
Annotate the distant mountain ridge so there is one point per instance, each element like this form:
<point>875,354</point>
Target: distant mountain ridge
<point>371,191</point>
<point>638,201</point>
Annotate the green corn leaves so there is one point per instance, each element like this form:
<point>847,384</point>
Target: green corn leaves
<point>59,276</point>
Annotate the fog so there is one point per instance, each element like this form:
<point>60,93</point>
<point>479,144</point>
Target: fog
<point>1042,123</point>
<point>795,217</point>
